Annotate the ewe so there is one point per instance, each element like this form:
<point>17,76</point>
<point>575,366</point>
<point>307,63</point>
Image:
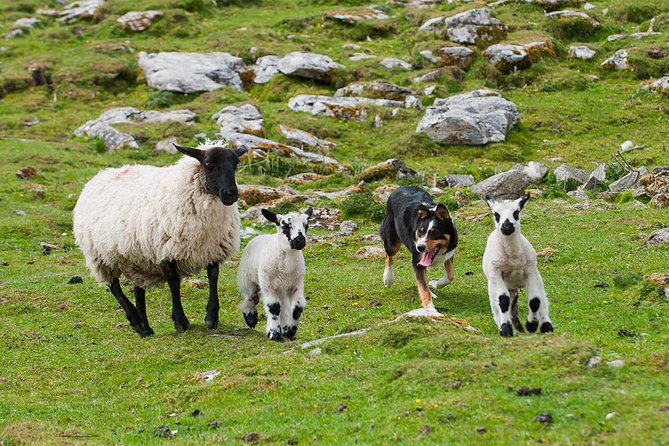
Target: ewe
<point>272,266</point>
<point>510,263</point>
<point>157,224</point>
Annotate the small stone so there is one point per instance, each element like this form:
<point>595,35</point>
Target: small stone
<point>616,364</point>
<point>448,181</point>
<point>20,212</point>
<point>162,431</point>
<point>425,430</point>
<point>315,351</point>
<point>199,284</point>
<point>48,247</point>
<point>582,52</point>
<point>26,173</point>
<point>596,178</point>
<point>196,413</point>
<point>527,391</point>
<point>347,227</point>
<point>594,361</point>
<point>481,430</point>
<point>342,408</point>
<point>251,437</point>
<point>612,415</point>
<point>391,62</point>
<point>455,384</point>
<point>75,279</point>
<point>601,285</point>
<point>544,418</point>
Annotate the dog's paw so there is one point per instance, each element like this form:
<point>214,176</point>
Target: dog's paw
<point>388,278</point>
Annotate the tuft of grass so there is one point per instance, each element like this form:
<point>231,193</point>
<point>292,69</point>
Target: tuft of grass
<point>362,206</point>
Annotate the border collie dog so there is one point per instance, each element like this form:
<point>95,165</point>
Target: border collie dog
<point>427,230</point>
<point>509,264</point>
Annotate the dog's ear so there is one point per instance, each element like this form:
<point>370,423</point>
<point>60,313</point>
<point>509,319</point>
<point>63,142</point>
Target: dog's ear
<point>422,211</point>
<point>522,200</point>
<point>442,213</point>
<point>271,216</point>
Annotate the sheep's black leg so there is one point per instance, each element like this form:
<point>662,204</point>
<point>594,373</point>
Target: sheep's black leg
<point>130,311</point>
<point>211,319</point>
<point>140,303</point>
<point>169,268</point>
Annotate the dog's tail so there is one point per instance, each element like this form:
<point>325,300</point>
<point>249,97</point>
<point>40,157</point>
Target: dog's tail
<point>514,313</point>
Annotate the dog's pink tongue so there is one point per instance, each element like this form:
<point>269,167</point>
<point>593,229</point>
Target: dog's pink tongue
<point>426,260</point>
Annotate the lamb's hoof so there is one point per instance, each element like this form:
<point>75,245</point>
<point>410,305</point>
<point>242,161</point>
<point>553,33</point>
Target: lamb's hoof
<point>290,332</point>
<point>211,324</point>
<point>251,319</point>
<point>546,327</point>
<point>506,330</point>
<point>275,335</point>
<point>532,326</point>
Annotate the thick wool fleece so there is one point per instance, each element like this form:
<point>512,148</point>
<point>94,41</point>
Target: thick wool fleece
<point>129,220</point>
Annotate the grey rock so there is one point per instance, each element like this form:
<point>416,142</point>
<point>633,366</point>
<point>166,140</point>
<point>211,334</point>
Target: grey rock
<point>596,178</point>
<point>659,237</point>
<point>167,145</point>
<point>567,173</point>
<point>27,23</point>
<point>305,139</point>
<point>240,119</point>
<point>474,26</point>
<point>192,72</point>
<point>661,85</point>
<point>507,57</point>
<point>459,56</point>
<point>356,57</point>
<point>629,181</point>
<point>265,69</point>
<point>345,108</point>
<point>309,65</point>
<point>429,76</point>
<point>347,227</point>
<point>581,52</point>
<point>637,36</point>
<point>594,361</point>
<point>15,33</point>
<point>85,9</point>
<point>115,139</point>
<point>391,168</point>
<point>351,18</point>
<point>304,178</point>
<point>617,62</point>
<point>351,46</point>
<point>505,185</point>
<point>568,14</point>
<point>139,20</point>
<point>455,181</point>
<point>475,118</point>
<point>616,364</point>
<point>433,24</point>
<point>20,212</point>
<point>375,89</point>
<point>382,193</point>
<point>426,4</point>
<point>391,62</point>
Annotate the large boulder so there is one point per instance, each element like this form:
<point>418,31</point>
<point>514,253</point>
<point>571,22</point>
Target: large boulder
<point>345,108</point>
<point>460,56</point>
<point>582,52</point>
<point>84,9</point>
<point>629,181</point>
<point>265,68</point>
<point>475,118</point>
<point>192,72</point>
<point>115,139</point>
<point>309,65</point>
<point>241,119</point>
<point>375,89</point>
<point>306,139</point>
<point>139,20</point>
<point>474,26</point>
<point>617,62</point>
<point>508,57</point>
<point>569,174</point>
<point>505,185</point>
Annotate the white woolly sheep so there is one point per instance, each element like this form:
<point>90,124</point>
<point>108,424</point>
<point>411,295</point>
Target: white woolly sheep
<point>272,266</point>
<point>510,263</point>
<point>158,224</point>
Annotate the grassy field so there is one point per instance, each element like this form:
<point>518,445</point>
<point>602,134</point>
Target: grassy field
<point>73,372</point>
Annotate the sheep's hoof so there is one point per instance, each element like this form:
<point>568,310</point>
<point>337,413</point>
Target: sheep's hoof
<point>211,324</point>
<point>289,332</point>
<point>275,335</point>
<point>251,319</point>
<point>146,332</point>
<point>546,327</point>
<point>180,327</point>
<point>506,330</point>
<point>532,326</point>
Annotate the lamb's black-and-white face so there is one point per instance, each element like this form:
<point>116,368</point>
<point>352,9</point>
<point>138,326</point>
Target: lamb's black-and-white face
<point>506,213</point>
<point>292,226</point>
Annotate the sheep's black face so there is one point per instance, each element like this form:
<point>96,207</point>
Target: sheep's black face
<point>219,165</point>
<point>507,213</point>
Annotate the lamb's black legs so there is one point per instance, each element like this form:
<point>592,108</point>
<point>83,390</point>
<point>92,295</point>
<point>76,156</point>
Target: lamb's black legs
<point>169,268</point>
<point>211,319</point>
<point>140,303</point>
<point>130,311</point>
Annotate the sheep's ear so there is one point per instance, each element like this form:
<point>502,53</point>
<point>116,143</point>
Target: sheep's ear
<point>309,212</point>
<point>422,211</point>
<point>490,201</point>
<point>241,150</point>
<point>442,213</point>
<point>195,153</point>
<point>271,216</point>
<point>522,200</point>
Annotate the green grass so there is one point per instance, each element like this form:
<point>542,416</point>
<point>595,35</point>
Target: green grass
<point>73,372</point>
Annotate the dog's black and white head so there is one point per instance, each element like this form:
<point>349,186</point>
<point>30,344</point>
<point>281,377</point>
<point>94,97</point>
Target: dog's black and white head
<point>434,232</point>
<point>506,213</point>
<point>293,226</point>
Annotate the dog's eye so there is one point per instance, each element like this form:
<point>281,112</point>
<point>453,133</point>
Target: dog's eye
<point>516,215</point>
<point>496,217</point>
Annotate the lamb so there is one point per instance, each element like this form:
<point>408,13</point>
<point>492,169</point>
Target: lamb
<point>272,266</point>
<point>159,224</point>
<point>510,263</point>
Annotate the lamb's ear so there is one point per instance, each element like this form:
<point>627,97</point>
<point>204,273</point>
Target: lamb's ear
<point>190,151</point>
<point>240,151</point>
<point>442,213</point>
<point>522,200</point>
<point>271,216</point>
<point>309,212</point>
<point>422,211</point>
<point>489,200</point>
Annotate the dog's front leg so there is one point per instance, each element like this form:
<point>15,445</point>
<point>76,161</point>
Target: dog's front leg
<point>448,276</point>
<point>426,296</point>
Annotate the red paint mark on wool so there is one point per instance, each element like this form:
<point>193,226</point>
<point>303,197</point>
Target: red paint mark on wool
<point>122,173</point>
